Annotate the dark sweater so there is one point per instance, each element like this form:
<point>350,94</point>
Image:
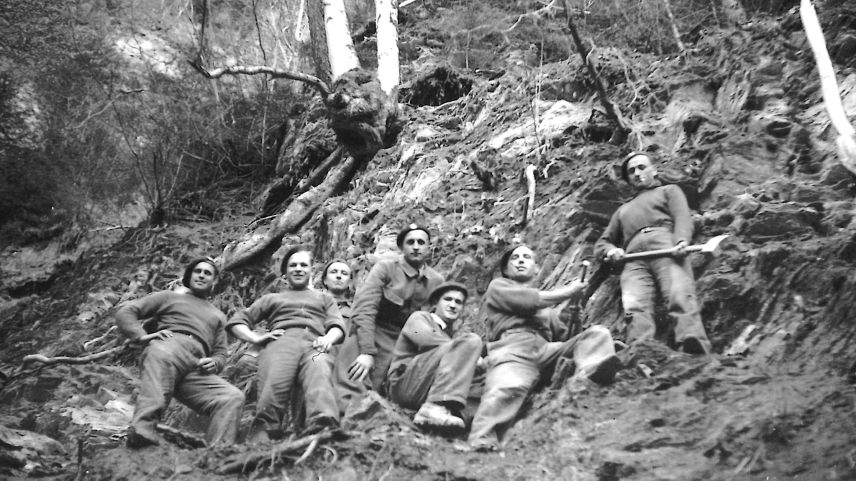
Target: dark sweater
<point>179,312</point>
<point>289,308</point>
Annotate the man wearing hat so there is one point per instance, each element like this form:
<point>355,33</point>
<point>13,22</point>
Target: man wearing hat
<point>181,357</point>
<point>392,291</point>
<point>431,371</point>
<point>525,341</point>
<point>658,217</point>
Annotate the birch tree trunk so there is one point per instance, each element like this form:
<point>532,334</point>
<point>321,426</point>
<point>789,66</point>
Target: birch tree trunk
<point>340,47</point>
<point>387,45</point>
<point>318,40</point>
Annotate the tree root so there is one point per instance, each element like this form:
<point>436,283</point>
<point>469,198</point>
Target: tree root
<point>248,462</point>
<point>48,361</point>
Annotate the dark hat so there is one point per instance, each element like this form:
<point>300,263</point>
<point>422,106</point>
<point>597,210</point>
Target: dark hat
<point>290,252</point>
<point>503,261</point>
<point>447,286</point>
<point>627,159</point>
<point>188,270</point>
<point>327,266</point>
<point>399,241</point>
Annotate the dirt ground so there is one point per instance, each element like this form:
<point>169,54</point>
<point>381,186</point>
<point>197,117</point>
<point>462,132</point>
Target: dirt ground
<point>739,124</point>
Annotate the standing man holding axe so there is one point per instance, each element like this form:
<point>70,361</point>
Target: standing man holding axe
<point>657,218</point>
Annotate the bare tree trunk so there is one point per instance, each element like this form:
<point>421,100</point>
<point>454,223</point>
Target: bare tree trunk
<point>387,44</point>
<point>318,43</point>
<point>299,211</point>
<point>340,47</point>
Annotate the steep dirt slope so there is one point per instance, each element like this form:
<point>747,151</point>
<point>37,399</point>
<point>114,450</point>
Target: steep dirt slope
<point>739,124</point>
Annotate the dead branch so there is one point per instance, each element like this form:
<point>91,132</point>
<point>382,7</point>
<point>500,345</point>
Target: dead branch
<point>611,110</point>
<point>530,186</point>
<point>48,361</point>
<point>240,253</point>
<point>261,70</point>
<point>548,10</point>
<point>245,463</point>
<point>92,342</point>
<point>181,437</point>
<point>312,446</point>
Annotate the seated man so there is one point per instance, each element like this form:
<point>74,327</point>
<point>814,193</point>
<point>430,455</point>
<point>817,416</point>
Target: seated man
<point>393,290</point>
<point>304,325</point>
<point>430,370</point>
<point>656,218</point>
<point>520,345</point>
<point>181,357</point>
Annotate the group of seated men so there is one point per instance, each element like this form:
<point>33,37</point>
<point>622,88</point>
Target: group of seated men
<point>397,336</point>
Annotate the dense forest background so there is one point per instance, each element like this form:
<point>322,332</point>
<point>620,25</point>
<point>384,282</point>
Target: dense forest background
<point>120,162</point>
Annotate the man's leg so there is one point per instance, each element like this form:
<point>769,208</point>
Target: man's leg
<point>678,286</point>
<point>638,291</point>
<point>410,388</point>
<point>162,362</point>
<point>347,391</point>
<point>454,374</point>
<point>592,350</point>
<point>213,396</point>
<point>385,339</point>
<point>512,371</point>
<point>278,364</point>
<point>316,378</point>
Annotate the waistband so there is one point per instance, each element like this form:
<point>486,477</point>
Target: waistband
<point>196,338</point>
<point>283,325</point>
<point>668,227</point>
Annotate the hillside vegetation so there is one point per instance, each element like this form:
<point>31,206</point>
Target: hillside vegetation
<point>120,167</point>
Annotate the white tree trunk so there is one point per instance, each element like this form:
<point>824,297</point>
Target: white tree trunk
<point>340,47</point>
<point>387,44</point>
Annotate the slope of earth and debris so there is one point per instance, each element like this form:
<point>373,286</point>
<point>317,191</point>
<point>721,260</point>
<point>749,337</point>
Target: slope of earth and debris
<point>738,123</point>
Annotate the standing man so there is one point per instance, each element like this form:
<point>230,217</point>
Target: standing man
<point>393,290</point>
<point>656,218</point>
<point>181,357</point>
<point>521,346</point>
<point>431,371</point>
<point>304,325</point>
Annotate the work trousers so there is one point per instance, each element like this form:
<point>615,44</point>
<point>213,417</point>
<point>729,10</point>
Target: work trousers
<point>517,360</point>
<point>640,280</point>
<point>168,369</point>
<point>282,364</point>
<point>442,375</point>
<point>349,391</point>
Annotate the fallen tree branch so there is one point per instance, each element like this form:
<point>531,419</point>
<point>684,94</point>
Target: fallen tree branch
<point>91,342</point>
<point>48,361</point>
<point>180,437</point>
<point>312,446</point>
<point>261,70</point>
<point>611,110</point>
<point>248,462</point>
<point>846,140</point>
<point>299,211</point>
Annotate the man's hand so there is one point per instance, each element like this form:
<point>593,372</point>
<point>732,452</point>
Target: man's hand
<point>324,343</point>
<point>361,367</point>
<point>263,339</point>
<point>680,249</point>
<point>161,335</point>
<point>578,286</point>
<point>207,365</point>
<point>616,254</point>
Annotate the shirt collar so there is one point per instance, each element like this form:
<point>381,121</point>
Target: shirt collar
<point>439,321</point>
<point>409,270</point>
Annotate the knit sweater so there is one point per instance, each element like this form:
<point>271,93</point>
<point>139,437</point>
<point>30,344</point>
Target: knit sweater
<point>306,308</point>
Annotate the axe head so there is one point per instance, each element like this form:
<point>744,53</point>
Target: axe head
<point>712,245</point>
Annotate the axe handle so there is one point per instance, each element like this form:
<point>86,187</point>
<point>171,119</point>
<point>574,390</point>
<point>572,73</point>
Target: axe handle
<point>658,253</point>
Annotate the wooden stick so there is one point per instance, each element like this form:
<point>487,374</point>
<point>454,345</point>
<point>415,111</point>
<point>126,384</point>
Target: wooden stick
<point>530,185</point>
<point>831,97</point>
<point>261,70</point>
<point>251,460</point>
<point>91,342</point>
<point>47,361</point>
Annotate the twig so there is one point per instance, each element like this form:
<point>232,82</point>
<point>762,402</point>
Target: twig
<point>530,184</point>
<point>91,342</point>
<point>260,70</point>
<point>308,452</point>
<point>611,110</point>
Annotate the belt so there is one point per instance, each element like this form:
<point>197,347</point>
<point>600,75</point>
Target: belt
<point>195,338</point>
<point>647,229</point>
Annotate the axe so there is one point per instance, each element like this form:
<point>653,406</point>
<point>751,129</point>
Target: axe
<point>709,247</point>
